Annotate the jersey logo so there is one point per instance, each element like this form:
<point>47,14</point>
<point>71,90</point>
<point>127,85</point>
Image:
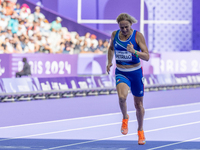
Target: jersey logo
<point>120,46</point>
<point>118,80</point>
<point>143,80</point>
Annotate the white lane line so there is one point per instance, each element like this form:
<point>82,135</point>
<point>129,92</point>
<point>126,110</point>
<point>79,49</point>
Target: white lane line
<point>63,120</point>
<point>175,126</point>
<point>174,143</point>
<point>96,126</point>
<point>88,117</point>
<point>170,115</point>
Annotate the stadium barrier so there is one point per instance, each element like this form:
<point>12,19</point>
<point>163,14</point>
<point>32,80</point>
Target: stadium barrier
<point>20,89</point>
<point>62,75</point>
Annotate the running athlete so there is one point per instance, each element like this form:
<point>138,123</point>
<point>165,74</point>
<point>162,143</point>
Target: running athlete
<point>129,47</point>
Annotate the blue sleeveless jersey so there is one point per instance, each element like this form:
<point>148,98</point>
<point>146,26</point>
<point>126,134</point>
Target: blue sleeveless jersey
<point>122,56</point>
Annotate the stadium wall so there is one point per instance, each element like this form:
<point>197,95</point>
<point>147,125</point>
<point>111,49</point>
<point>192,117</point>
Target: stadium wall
<point>97,9</point>
<point>160,37</point>
<point>196,25</point>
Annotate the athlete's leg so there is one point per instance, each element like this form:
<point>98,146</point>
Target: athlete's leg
<point>122,90</point>
<point>138,101</point>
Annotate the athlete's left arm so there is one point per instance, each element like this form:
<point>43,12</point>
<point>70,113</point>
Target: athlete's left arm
<point>144,54</point>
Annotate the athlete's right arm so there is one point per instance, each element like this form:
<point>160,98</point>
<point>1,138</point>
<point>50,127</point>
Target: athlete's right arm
<point>110,52</point>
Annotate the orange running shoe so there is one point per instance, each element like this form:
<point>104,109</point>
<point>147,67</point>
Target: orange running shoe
<point>124,128</point>
<point>141,138</point>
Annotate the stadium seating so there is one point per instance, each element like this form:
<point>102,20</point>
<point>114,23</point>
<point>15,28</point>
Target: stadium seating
<point>23,31</point>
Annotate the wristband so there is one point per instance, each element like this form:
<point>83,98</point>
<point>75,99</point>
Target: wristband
<point>136,54</point>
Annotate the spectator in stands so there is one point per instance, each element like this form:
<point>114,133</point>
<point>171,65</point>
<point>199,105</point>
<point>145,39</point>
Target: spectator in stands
<point>93,40</point>
<point>32,44</point>
<point>26,48</point>
<point>4,45</point>
<point>41,22</point>
<point>40,43</point>
<point>1,47</point>
<point>16,38</point>
<point>57,46</point>
<point>11,46</point>
<point>10,7</point>
<point>77,44</point>
<point>76,39</point>
<point>34,37</point>
<point>16,44</point>
<point>1,29</point>
<point>26,23</point>
<point>47,46</point>
<point>47,25</point>
<point>26,71</point>
<point>43,45</point>
<point>27,8</point>
<point>22,41</point>
<point>22,22</point>
<point>30,20</point>
<point>100,47</point>
<point>3,22</point>
<point>54,38</point>
<point>11,2</point>
<point>37,13</point>
<point>85,48</point>
<point>13,23</point>
<point>17,9</point>
<point>33,29</point>
<point>2,35</point>
<point>21,29</point>
<point>87,39</point>
<point>106,44</point>
<point>3,8</point>
<point>56,24</point>
<point>9,33</point>
<point>29,47</point>
<point>67,47</point>
<point>92,48</point>
<point>24,13</point>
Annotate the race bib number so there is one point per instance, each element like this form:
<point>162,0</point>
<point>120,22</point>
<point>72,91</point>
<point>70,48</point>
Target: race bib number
<point>123,56</point>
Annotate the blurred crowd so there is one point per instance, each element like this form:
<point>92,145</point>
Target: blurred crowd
<point>23,31</point>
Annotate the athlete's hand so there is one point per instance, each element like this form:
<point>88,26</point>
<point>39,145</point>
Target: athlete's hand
<point>108,67</point>
<point>130,48</point>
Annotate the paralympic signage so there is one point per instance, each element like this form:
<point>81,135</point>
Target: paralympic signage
<point>65,65</point>
<point>5,65</point>
<point>180,62</point>
<point>53,65</point>
<point>47,65</point>
<point>90,64</point>
<point>173,63</point>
